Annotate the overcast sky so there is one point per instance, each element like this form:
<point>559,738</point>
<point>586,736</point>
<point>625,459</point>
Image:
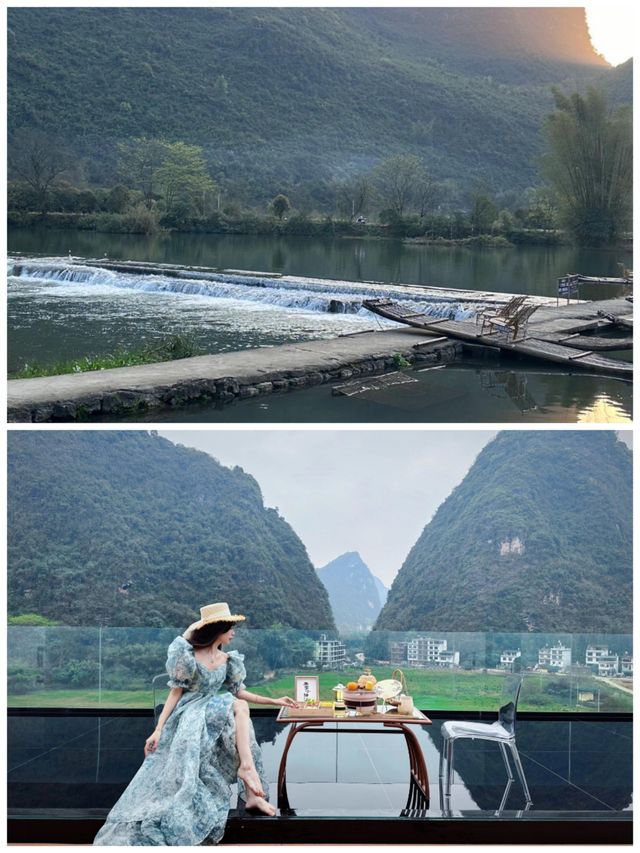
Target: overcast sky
<point>370,491</point>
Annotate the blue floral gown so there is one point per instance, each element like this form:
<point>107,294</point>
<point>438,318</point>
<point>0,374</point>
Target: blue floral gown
<point>181,793</point>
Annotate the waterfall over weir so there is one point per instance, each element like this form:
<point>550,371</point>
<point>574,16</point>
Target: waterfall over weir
<point>316,296</point>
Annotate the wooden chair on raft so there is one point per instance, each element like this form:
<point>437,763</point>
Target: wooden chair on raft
<point>510,326</point>
<point>506,310</point>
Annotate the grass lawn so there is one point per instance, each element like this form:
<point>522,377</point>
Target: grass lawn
<point>432,690</point>
<point>86,698</point>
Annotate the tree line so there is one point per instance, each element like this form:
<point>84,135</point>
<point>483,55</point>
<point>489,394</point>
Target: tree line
<point>161,184</point>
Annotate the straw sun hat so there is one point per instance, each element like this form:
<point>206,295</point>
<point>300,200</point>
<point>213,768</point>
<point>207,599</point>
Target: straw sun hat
<point>218,612</point>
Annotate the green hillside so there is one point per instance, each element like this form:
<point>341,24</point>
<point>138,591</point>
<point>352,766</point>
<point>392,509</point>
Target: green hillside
<point>537,537</point>
<point>284,98</point>
<point>125,528</point>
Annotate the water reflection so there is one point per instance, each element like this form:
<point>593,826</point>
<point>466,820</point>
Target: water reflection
<point>470,393</point>
<point>572,765</point>
<point>603,410</point>
<point>524,269</point>
<point>85,762</point>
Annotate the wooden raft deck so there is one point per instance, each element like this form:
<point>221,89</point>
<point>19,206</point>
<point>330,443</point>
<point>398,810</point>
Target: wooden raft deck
<point>545,328</point>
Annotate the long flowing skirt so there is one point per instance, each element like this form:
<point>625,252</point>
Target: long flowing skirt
<point>181,793</point>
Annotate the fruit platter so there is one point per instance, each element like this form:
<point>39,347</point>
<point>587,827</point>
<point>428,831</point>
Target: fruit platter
<point>361,694</point>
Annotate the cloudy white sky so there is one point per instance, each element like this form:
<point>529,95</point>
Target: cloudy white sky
<point>370,491</point>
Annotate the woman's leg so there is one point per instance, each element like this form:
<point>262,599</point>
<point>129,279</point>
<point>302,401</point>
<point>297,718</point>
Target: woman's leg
<point>247,770</point>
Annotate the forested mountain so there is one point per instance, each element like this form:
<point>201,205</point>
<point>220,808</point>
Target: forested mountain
<point>353,592</point>
<point>383,592</point>
<point>537,537</point>
<point>126,528</point>
<point>297,97</point>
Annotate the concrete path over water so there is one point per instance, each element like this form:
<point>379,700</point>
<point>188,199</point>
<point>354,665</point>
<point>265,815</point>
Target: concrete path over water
<point>81,396</point>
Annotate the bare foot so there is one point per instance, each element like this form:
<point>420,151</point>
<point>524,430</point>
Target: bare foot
<point>249,775</point>
<point>260,804</point>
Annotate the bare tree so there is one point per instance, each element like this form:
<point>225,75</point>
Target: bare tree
<point>354,195</point>
<point>397,180</point>
<point>38,160</point>
<point>426,194</point>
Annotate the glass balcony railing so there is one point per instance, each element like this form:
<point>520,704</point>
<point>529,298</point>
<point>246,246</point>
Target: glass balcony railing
<point>114,667</point>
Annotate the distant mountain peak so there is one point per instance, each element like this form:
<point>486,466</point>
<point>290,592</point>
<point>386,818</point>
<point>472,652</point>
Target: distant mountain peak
<point>353,592</point>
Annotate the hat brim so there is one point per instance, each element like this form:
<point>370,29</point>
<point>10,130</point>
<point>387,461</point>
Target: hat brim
<point>233,618</point>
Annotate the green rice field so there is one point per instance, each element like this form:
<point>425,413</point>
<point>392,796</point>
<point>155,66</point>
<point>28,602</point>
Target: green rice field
<point>432,690</point>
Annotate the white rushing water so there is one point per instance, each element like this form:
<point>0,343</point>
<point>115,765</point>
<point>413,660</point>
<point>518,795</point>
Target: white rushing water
<point>289,294</point>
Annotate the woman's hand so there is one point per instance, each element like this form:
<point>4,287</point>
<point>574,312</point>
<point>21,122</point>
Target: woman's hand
<point>151,743</point>
<point>286,701</point>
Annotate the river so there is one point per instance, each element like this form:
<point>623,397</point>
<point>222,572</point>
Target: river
<point>55,313</point>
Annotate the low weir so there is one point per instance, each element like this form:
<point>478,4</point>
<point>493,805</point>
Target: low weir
<point>228,376</point>
<point>317,295</point>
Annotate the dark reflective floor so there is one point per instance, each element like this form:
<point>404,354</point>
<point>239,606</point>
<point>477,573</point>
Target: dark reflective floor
<point>578,768</point>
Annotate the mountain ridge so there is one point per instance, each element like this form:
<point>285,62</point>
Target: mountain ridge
<point>282,98</point>
<point>537,537</point>
<point>126,528</point>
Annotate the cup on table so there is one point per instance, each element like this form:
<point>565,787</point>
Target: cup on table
<point>406,705</point>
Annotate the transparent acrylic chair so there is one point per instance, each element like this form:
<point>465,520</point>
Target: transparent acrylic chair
<point>159,688</point>
<point>502,732</point>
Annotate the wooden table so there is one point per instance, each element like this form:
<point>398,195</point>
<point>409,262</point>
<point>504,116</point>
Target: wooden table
<point>314,720</point>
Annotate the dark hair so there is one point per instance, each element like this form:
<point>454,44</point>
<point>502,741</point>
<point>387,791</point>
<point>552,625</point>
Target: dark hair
<point>208,634</point>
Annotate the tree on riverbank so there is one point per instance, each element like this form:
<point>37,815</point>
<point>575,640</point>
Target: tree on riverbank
<point>401,182</point>
<point>139,162</point>
<point>590,165</point>
<point>39,161</point>
<point>171,172</point>
<point>184,181</point>
<point>280,205</point>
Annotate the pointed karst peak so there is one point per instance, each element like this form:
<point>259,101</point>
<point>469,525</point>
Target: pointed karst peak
<point>353,592</point>
<point>536,537</point>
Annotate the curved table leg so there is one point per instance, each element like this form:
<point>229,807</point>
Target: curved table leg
<point>419,795</point>
<point>283,797</point>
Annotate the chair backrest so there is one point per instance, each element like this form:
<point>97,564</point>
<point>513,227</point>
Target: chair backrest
<point>511,687</point>
<point>512,306</point>
<point>523,313</point>
<point>159,688</point>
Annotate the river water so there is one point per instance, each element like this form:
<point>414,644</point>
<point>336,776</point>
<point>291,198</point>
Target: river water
<point>469,393</point>
<point>58,311</point>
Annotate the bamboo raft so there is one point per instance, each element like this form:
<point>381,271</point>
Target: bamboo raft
<point>590,342</point>
<point>538,340</point>
<point>625,322</point>
<point>590,279</point>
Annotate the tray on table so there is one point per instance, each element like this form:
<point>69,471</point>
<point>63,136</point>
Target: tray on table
<point>289,715</point>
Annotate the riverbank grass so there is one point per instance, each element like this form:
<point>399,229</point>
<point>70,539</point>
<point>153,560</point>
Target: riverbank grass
<point>167,349</point>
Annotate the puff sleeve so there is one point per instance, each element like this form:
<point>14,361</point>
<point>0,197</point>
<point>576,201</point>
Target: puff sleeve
<point>236,673</point>
<point>181,664</point>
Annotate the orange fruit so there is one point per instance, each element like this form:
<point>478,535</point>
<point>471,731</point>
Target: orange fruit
<point>352,685</point>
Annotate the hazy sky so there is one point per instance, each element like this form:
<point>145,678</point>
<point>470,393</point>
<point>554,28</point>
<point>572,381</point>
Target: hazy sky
<point>370,491</point>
